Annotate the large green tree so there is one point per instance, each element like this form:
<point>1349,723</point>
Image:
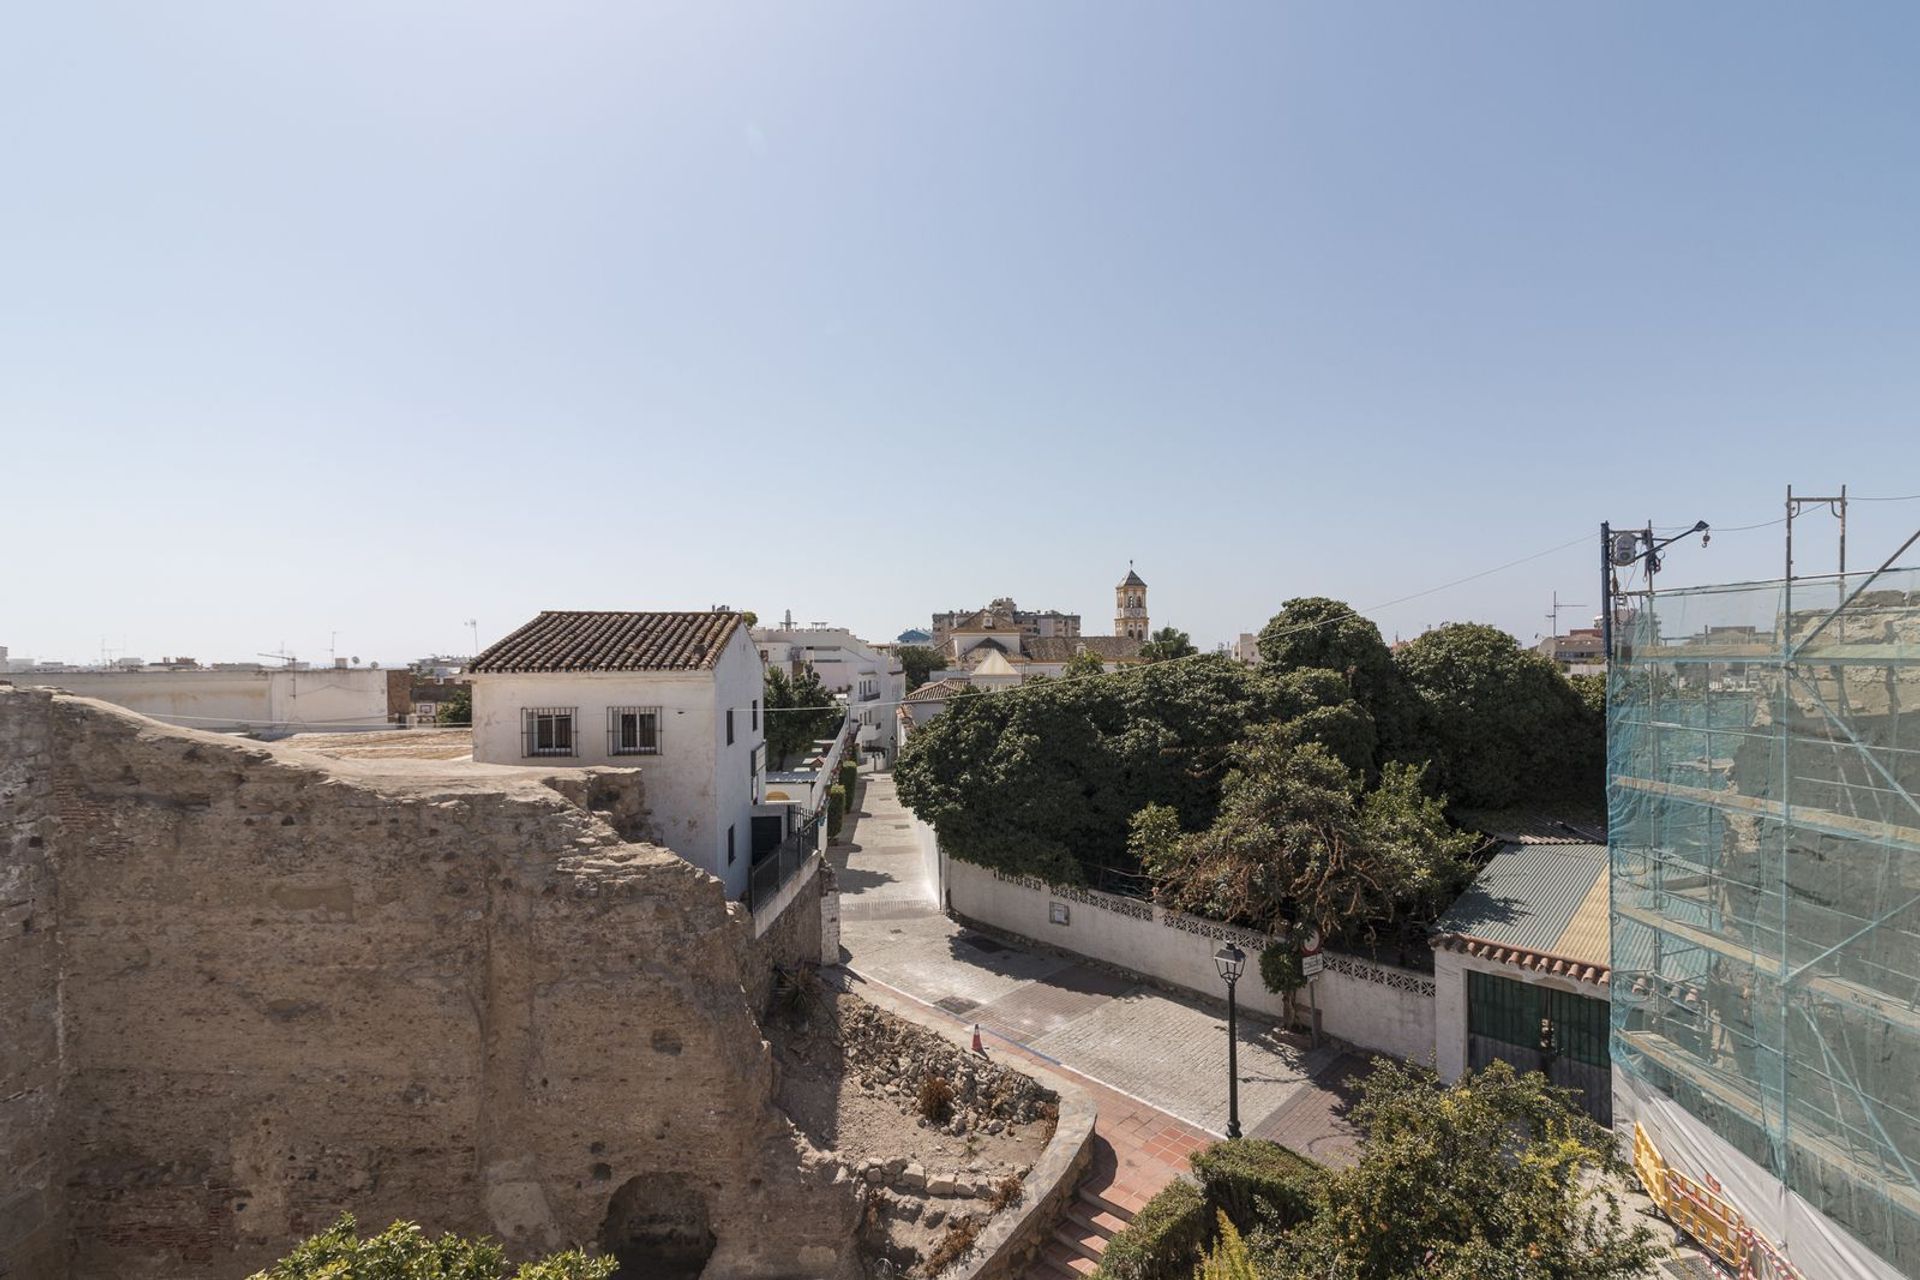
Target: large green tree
<point>1298,843</point>
<point>920,662</point>
<point>1314,633</point>
<point>799,710</point>
<point>404,1252</point>
<point>1494,1178</point>
<point>1166,644</point>
<point>1503,724</point>
<point>1043,779</point>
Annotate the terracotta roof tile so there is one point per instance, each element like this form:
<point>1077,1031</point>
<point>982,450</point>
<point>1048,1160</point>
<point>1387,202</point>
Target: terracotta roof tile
<point>566,640</point>
<point>938,691</point>
<point>1061,648</point>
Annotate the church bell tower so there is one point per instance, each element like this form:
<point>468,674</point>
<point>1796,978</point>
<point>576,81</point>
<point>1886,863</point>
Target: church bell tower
<point>1130,606</point>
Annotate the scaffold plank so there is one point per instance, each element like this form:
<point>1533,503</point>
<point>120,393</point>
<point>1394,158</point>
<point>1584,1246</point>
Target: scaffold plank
<point>1823,820</point>
<point>1699,938</point>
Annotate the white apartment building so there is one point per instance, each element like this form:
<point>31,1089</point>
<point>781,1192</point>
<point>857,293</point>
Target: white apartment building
<point>874,682</point>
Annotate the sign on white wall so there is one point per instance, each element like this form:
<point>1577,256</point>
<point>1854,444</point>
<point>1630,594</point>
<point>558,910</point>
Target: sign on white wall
<point>1057,912</point>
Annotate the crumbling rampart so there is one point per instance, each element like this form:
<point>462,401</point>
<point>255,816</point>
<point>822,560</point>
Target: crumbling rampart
<point>247,988</point>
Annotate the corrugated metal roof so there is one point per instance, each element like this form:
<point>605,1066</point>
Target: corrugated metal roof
<point>1542,897</point>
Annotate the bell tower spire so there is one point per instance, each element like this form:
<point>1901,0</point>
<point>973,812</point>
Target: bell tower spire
<point>1130,606</point>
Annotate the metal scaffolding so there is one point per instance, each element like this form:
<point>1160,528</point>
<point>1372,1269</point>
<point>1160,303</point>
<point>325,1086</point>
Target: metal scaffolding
<point>1764,797</point>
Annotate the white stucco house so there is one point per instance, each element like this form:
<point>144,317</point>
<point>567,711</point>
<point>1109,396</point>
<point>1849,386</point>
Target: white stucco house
<point>676,694</point>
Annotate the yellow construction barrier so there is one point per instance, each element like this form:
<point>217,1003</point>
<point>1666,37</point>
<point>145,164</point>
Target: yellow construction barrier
<point>1703,1214</point>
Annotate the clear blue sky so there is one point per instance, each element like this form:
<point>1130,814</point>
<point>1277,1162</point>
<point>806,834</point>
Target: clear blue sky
<point>374,317</point>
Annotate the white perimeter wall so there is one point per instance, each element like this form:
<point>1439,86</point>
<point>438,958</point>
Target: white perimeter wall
<point>1374,1006</point>
<point>322,700</point>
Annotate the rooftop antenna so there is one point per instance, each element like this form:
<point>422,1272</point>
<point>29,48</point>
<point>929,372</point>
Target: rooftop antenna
<point>285,657</point>
<point>474,625</point>
<point>1558,605</point>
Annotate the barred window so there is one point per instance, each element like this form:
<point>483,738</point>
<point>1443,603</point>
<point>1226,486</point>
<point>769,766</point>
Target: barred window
<point>633,731</point>
<point>547,731</point>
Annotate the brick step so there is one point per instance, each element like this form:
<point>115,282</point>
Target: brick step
<point>1097,1201</point>
<point>1044,1268</point>
<point>1041,1269</point>
<point>1088,1244</point>
<point>1100,1222</point>
<point>1067,1262</point>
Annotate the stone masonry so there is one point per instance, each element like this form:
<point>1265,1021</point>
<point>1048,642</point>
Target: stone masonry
<point>244,988</point>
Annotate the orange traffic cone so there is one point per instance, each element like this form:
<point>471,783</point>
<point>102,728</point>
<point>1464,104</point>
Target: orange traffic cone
<point>977,1046</point>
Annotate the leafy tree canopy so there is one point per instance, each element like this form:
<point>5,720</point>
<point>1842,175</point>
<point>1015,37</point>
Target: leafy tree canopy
<point>1503,724</point>
<point>404,1252</point>
<point>799,711</point>
<point>458,708</point>
<point>1044,779</point>
<point>1085,662</point>
<point>1167,643</point>
<point>1497,1176</point>
<point>1298,843</point>
<point>1313,633</point>
<point>920,661</point>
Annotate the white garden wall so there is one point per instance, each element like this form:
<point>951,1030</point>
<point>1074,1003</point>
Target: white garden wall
<point>1370,1005</point>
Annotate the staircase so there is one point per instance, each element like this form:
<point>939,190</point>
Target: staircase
<point>1081,1235</point>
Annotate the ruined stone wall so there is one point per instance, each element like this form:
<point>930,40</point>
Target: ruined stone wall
<point>793,938</point>
<point>32,1222</point>
<point>292,986</point>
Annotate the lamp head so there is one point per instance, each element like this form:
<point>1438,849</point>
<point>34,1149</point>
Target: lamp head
<point>1231,961</point>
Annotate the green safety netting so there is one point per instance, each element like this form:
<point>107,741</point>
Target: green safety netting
<point>1764,822</point>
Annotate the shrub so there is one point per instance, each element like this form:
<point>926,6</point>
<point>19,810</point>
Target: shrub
<point>836,810</point>
<point>403,1249</point>
<point>1164,1239</point>
<point>953,1246</point>
<point>849,777</point>
<point>1280,967</point>
<point>1228,1259</point>
<point>1005,1192</point>
<point>936,1099</point>
<point>1255,1182</point>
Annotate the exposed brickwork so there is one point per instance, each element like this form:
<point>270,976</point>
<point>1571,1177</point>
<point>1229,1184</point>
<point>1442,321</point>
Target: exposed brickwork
<point>290,986</point>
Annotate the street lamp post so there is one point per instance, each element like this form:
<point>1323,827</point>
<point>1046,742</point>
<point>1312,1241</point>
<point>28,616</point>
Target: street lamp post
<point>1232,962</point>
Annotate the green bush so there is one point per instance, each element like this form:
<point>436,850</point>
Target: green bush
<point>836,810</point>
<point>849,777</point>
<point>403,1249</point>
<point>1164,1240</point>
<point>1255,1182</point>
<point>1280,967</point>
